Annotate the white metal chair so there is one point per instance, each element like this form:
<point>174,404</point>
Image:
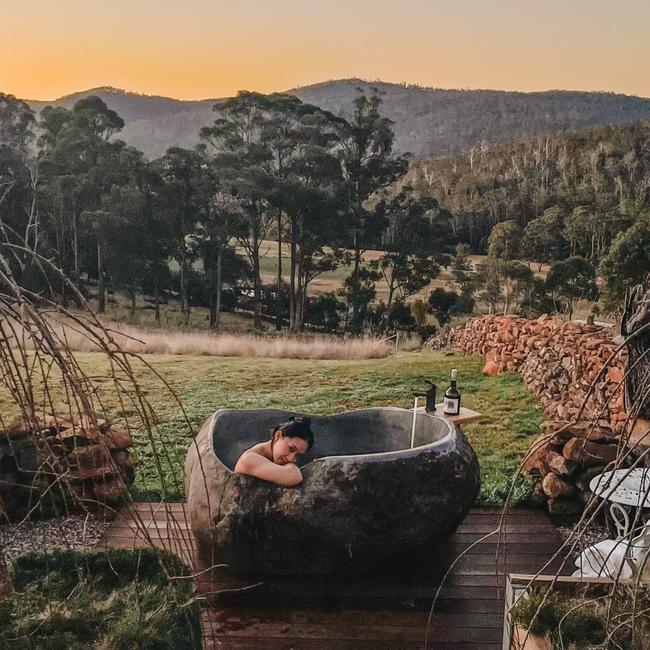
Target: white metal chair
<point>614,558</point>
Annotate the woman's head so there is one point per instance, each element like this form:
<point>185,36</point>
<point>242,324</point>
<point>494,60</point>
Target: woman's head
<point>291,439</point>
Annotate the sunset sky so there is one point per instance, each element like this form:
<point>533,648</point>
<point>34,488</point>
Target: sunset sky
<point>200,48</point>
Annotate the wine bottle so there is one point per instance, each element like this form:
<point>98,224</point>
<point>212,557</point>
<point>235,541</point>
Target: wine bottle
<point>452,397</point>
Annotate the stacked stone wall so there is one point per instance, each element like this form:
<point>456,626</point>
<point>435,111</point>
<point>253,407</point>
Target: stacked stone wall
<point>49,465</point>
<point>558,362</point>
<point>576,371</point>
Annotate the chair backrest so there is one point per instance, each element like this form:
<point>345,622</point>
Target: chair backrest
<point>640,545</point>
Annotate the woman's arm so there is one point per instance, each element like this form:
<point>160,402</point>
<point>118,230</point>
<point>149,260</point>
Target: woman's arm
<point>256,465</point>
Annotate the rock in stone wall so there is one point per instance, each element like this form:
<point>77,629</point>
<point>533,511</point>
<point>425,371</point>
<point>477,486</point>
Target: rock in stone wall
<point>50,464</point>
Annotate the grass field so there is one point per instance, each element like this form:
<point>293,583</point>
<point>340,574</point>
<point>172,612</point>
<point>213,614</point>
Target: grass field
<point>511,413</point>
<point>330,281</point>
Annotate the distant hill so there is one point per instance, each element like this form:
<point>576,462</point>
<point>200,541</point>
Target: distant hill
<point>428,122</point>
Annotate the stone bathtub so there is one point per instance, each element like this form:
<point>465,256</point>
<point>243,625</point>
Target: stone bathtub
<point>366,495</point>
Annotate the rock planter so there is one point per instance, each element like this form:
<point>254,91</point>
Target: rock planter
<point>365,496</point>
<point>50,465</point>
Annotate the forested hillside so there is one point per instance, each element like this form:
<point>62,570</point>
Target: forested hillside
<point>427,122</point>
<point>438,122</point>
<point>598,179</point>
<point>192,226</point>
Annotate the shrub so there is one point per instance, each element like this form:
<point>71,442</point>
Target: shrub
<point>425,332</point>
<point>444,304</point>
<point>325,311</point>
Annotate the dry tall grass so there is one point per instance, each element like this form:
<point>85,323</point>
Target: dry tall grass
<point>143,341</point>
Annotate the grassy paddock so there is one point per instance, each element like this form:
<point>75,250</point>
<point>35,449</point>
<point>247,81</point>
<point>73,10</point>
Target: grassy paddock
<point>511,413</point>
<point>158,341</point>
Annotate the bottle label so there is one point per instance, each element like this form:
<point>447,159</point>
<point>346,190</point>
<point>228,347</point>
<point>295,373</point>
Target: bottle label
<point>452,406</point>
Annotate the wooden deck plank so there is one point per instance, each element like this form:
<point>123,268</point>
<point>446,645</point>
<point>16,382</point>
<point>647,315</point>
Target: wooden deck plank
<point>338,644</point>
<point>234,616</point>
<point>280,629</point>
<point>387,609</point>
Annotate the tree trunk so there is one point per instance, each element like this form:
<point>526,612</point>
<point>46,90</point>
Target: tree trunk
<point>212,306</point>
<point>355,275</point>
<point>214,289</point>
<point>303,305</point>
<point>300,294</point>
<point>278,299</point>
<point>132,296</point>
<point>156,295</point>
<point>101,292</point>
<point>217,314</point>
<point>635,318</point>
<point>257,294</point>
<point>391,287</point>
<point>292,280</point>
<point>184,273</point>
<point>75,247</point>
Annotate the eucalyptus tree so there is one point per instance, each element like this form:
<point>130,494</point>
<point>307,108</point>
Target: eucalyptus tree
<point>504,241</point>
<point>17,123</point>
<point>502,281</point>
<point>570,280</point>
<point>312,198</point>
<point>543,240</point>
<point>140,239</point>
<point>627,263</point>
<point>516,282</point>
<point>75,157</point>
<point>19,217</point>
<point>134,240</point>
<point>443,304</point>
<point>368,165</point>
<point>415,239</point>
<point>220,222</point>
<point>465,277</point>
<point>284,129</point>
<point>183,173</point>
<point>310,193</point>
<point>245,167</point>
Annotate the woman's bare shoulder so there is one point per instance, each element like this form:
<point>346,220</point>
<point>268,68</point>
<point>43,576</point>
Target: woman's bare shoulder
<point>255,463</point>
<point>251,457</point>
<point>257,449</point>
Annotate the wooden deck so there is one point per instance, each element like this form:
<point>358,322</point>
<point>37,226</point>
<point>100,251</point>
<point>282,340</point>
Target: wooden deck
<point>385,609</point>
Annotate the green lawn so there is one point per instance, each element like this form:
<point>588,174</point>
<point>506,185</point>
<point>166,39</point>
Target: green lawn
<point>204,384</point>
<point>511,413</point>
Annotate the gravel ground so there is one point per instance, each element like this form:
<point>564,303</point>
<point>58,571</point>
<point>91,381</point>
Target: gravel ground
<point>72,532</point>
<point>596,533</point>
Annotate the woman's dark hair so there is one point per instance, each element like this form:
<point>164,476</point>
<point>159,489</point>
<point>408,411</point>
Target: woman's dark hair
<point>296,428</point>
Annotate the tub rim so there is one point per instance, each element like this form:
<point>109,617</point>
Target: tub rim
<point>444,443</point>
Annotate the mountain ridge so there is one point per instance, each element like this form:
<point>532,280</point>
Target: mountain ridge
<point>429,122</point>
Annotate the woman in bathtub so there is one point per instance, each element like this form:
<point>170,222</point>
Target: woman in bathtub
<point>275,459</point>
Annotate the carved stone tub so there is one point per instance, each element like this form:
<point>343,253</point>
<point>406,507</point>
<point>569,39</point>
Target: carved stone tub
<point>366,496</point>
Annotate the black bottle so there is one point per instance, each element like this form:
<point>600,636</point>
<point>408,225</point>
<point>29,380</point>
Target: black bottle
<point>452,397</point>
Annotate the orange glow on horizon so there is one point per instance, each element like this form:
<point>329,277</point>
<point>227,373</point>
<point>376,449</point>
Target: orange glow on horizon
<point>197,50</point>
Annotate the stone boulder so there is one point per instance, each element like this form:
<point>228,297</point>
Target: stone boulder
<point>366,496</point>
